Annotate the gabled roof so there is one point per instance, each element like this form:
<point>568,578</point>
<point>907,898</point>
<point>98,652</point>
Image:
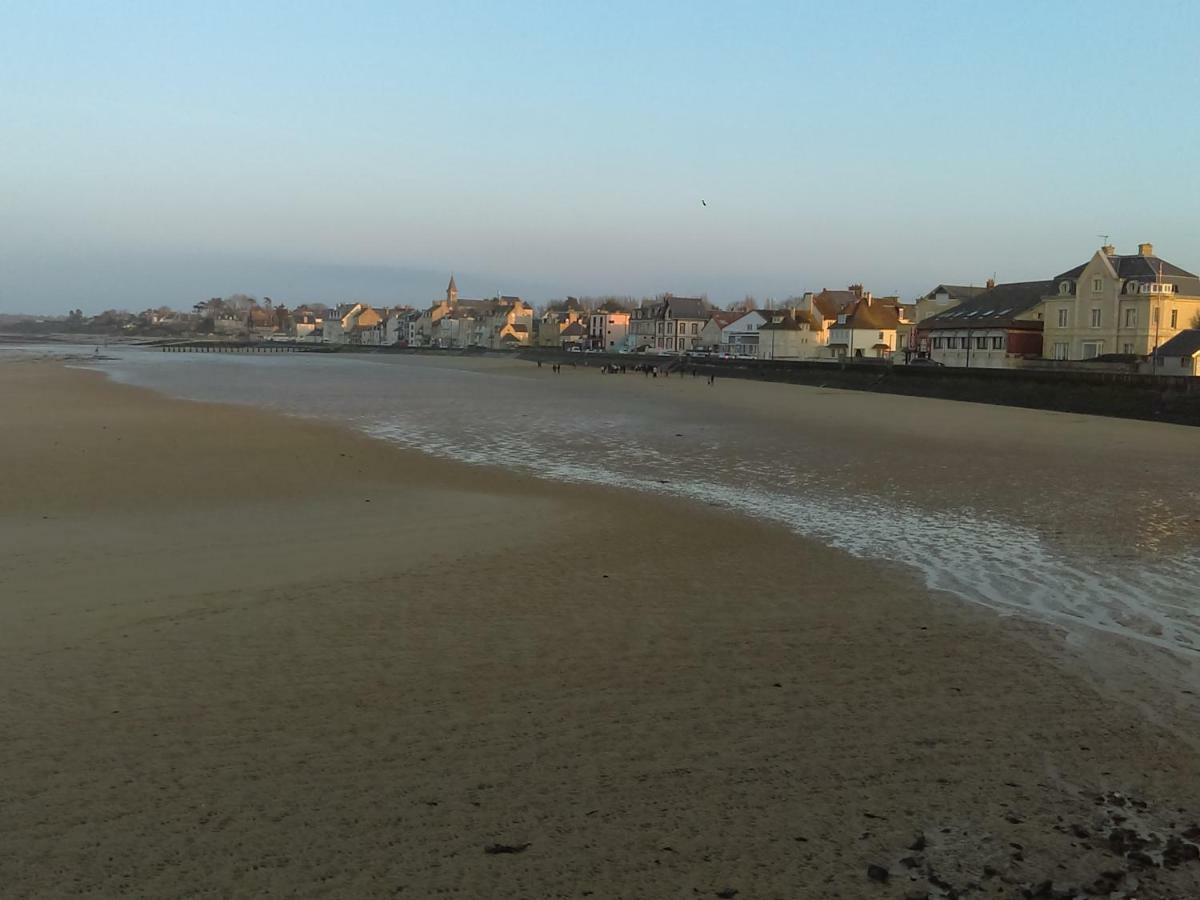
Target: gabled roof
<point>831,304</point>
<point>686,308</point>
<point>871,315</point>
<point>1137,267</point>
<point>956,291</point>
<point>575,329</point>
<point>724,317</point>
<point>994,308</point>
<point>1186,343</point>
<point>791,320</point>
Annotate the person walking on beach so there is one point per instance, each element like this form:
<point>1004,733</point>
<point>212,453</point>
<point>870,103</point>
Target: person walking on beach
<point>712,379</point>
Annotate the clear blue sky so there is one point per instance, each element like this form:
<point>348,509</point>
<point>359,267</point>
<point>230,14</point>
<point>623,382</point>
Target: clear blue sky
<point>168,152</point>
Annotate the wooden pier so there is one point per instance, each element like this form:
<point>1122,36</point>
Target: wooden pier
<point>244,347</point>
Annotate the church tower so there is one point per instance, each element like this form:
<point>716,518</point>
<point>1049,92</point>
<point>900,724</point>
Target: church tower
<point>451,292</point>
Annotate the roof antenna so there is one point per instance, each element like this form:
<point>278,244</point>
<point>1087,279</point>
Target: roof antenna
<point>1103,237</point>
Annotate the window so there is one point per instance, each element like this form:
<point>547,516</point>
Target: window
<point>660,331</point>
<point>1097,285</point>
<point>1064,288</point>
<point>952,343</point>
<point>1095,317</point>
<point>1174,318</point>
<point>1092,349</point>
<point>1127,348</point>
<point>937,343</point>
<point>981,343</point>
<point>998,342</point>
<point>1131,317</point>
<point>695,328</point>
<point>1062,318</point>
<point>1060,350</point>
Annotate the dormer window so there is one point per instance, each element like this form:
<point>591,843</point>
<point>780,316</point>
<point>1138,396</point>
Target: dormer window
<point>1064,288</point>
<point>1132,287</point>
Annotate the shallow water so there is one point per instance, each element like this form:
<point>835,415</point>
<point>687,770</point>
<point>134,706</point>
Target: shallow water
<point>586,427</point>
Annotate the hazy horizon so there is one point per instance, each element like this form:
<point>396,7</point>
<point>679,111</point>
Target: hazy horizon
<point>163,156</point>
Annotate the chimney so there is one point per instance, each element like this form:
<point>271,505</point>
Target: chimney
<point>1108,250</point>
<point>856,290</point>
<point>1145,249</point>
<point>991,283</point>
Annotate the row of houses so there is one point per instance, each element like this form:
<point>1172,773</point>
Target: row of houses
<point>1124,307</point>
<point>1112,307</point>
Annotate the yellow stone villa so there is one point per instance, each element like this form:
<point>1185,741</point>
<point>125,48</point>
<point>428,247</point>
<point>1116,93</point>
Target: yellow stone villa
<point>1118,304</point>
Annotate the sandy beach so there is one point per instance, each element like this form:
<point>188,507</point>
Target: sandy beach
<point>248,654</point>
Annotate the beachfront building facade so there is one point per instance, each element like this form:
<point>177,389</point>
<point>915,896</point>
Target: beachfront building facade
<point>1118,304</point>
<point>865,329</point>
<point>608,330</point>
<point>668,325</point>
<point>739,337</point>
<point>791,334</point>
<point>998,328</point>
<point>712,332</point>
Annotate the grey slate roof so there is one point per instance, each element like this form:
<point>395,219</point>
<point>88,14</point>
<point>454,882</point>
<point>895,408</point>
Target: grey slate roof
<point>1186,343</point>
<point>957,291</point>
<point>686,308</point>
<point>997,307</point>
<point>678,307</point>
<point>1137,267</point>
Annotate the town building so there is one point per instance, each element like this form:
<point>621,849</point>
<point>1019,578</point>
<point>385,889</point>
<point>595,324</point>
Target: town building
<point>456,323</point>
<point>552,323</point>
<point>712,332</point>
<point>740,337</point>
<point>608,330</point>
<point>865,329</point>
<point>1178,356</point>
<point>998,328</point>
<point>791,334</point>
<point>668,325</point>
<point>1118,304</point>
<point>945,297</point>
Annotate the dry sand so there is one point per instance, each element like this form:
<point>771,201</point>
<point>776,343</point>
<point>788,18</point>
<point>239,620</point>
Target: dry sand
<point>245,654</point>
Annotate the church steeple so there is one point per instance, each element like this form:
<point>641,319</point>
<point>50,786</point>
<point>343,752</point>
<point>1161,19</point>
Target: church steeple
<point>452,291</point>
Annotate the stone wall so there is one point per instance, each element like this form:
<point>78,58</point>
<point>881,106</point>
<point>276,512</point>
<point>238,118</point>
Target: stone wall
<point>1122,394</point>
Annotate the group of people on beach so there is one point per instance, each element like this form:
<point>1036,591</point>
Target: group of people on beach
<point>554,367</point>
<point>650,371</point>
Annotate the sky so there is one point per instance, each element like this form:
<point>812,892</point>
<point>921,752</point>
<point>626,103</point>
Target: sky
<point>155,153</point>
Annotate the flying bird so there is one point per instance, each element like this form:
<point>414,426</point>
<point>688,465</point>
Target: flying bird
<point>704,203</point>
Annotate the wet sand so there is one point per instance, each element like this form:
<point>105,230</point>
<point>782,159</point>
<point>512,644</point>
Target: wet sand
<point>248,654</point>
